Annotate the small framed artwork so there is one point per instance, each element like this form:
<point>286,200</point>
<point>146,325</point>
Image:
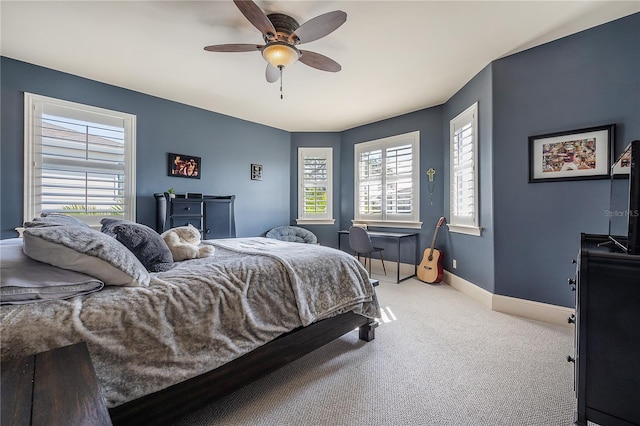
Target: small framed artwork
<point>256,172</point>
<point>181,165</point>
<point>571,155</point>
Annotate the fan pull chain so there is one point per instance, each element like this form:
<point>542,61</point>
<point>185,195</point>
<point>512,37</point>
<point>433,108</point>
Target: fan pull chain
<point>281,96</point>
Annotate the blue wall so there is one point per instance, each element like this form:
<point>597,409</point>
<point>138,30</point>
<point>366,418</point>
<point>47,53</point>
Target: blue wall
<point>227,146</point>
<point>530,232</point>
<point>587,79</point>
<point>474,255</point>
<point>429,123</point>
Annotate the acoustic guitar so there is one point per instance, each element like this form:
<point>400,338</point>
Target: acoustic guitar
<point>430,269</point>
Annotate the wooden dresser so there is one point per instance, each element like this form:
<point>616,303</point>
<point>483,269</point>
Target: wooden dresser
<point>607,325</point>
<point>212,215</point>
<point>57,387</point>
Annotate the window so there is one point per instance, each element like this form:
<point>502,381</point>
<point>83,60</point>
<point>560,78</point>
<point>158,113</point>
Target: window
<point>387,181</point>
<point>79,160</point>
<point>315,186</point>
<point>463,215</point>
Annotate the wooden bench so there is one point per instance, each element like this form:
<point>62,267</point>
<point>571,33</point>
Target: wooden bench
<point>57,387</point>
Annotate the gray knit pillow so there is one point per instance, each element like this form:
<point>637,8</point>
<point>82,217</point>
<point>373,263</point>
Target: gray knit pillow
<point>145,243</point>
<point>54,219</point>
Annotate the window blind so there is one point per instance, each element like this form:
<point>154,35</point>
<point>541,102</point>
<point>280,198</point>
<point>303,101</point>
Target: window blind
<point>315,168</point>
<point>315,184</point>
<point>387,179</point>
<point>370,186</point>
<point>399,170</point>
<point>464,174</point>
<point>79,160</point>
<point>82,166</point>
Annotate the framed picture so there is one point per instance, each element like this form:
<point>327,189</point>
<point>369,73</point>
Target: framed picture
<point>184,166</point>
<point>256,172</point>
<point>572,155</point>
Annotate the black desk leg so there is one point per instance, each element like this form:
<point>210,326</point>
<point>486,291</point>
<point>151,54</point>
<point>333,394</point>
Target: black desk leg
<point>416,259</point>
<point>398,263</point>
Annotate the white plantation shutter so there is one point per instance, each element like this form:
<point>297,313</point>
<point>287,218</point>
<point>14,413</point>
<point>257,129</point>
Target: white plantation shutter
<point>370,183</point>
<point>399,172</point>
<point>387,180</point>
<point>464,173</point>
<point>78,160</point>
<point>315,199</point>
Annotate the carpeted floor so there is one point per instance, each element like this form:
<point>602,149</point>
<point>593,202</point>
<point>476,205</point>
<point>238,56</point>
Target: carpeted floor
<point>439,358</point>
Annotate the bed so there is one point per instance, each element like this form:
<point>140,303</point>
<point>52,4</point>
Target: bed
<point>198,330</point>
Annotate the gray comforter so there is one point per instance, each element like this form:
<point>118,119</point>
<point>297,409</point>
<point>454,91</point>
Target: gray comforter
<point>199,315</point>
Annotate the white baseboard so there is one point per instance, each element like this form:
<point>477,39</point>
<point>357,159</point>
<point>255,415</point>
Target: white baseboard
<point>473,291</point>
<point>510,305</point>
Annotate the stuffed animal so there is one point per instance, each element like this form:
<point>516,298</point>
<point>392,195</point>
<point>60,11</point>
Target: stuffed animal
<point>184,243</point>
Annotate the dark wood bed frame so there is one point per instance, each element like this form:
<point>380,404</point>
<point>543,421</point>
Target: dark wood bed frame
<point>168,404</point>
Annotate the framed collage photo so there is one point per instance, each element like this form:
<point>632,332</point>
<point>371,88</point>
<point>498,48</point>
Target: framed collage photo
<point>571,155</point>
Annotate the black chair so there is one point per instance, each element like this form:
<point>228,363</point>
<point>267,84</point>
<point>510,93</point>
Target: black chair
<point>360,243</point>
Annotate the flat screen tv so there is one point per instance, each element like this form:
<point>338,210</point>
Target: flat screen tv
<point>624,211</point>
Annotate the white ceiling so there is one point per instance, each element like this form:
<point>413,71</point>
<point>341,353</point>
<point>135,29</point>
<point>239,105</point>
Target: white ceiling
<point>396,56</point>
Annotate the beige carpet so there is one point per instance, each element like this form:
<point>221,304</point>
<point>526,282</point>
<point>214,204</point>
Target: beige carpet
<point>439,358</point>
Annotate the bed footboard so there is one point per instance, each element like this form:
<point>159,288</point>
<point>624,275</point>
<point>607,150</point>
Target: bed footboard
<point>168,404</point>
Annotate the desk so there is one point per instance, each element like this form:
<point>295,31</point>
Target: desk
<point>399,237</point>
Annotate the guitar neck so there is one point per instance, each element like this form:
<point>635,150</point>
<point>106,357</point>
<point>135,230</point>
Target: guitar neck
<point>433,242</point>
<point>435,236</point>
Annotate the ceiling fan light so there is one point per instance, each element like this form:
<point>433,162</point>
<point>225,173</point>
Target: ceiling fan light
<point>280,54</point>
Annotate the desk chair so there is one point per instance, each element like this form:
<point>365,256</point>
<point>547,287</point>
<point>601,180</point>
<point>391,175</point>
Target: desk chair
<point>360,243</point>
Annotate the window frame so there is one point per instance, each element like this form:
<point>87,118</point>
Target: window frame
<point>315,218</point>
<point>458,223</point>
<point>33,142</point>
<point>382,220</point>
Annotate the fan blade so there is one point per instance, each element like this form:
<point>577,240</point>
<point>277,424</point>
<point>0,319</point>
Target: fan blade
<point>272,73</point>
<point>233,48</point>
<point>319,27</point>
<point>256,16</point>
<point>318,61</point>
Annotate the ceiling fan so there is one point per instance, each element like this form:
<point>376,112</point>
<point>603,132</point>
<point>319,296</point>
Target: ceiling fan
<point>282,34</point>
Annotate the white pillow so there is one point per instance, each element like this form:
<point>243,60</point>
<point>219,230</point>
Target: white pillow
<point>85,250</point>
<point>24,280</point>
